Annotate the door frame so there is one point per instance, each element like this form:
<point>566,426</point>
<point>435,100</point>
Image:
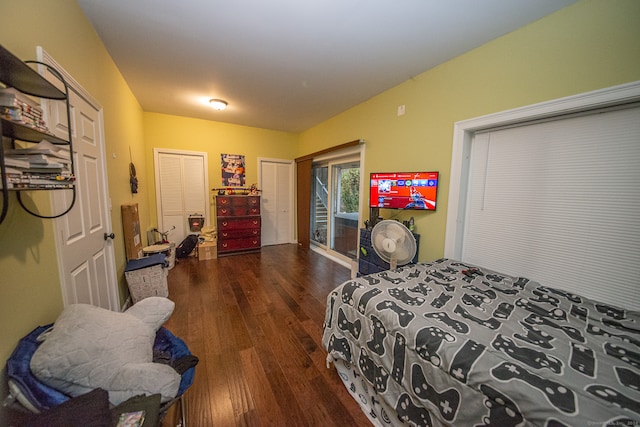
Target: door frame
<point>313,212</point>
<point>464,131</point>
<point>291,207</point>
<point>113,290</point>
<point>156,172</point>
<point>330,159</point>
<point>334,200</point>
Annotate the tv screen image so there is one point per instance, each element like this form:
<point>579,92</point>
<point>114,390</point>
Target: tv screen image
<point>403,190</point>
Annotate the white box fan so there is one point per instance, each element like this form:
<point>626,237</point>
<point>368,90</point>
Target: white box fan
<point>393,242</point>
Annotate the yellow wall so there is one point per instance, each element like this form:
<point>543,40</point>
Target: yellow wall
<point>29,283</point>
<point>590,45</point>
<point>213,138</point>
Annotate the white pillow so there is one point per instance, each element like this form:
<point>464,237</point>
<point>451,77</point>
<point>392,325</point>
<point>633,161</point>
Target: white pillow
<point>91,347</point>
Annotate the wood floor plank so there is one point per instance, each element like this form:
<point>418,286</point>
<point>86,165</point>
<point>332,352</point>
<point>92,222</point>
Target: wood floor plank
<point>241,396</point>
<point>286,398</point>
<point>266,404</point>
<point>255,323</point>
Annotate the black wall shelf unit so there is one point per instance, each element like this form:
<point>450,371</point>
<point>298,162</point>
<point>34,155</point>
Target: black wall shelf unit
<point>18,74</point>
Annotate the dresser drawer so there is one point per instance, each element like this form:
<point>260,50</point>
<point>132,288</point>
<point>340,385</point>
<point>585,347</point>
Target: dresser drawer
<point>223,201</point>
<point>238,223</point>
<point>223,210</point>
<point>238,244</point>
<point>253,210</point>
<point>237,234</point>
<point>239,201</point>
<point>238,210</point>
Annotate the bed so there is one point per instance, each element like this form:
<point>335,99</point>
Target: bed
<point>449,343</point>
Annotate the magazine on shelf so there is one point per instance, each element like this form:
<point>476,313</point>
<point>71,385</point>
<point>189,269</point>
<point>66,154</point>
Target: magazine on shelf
<point>12,97</point>
<point>43,147</point>
<point>16,162</point>
<point>42,158</point>
<point>40,166</point>
<point>19,108</point>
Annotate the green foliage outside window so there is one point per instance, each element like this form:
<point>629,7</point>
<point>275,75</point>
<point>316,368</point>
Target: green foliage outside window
<point>350,190</point>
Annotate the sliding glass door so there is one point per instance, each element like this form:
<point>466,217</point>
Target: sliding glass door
<point>335,201</point>
<point>319,203</point>
<point>345,201</point>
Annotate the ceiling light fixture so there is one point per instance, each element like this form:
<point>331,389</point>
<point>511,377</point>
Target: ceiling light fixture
<point>218,104</point>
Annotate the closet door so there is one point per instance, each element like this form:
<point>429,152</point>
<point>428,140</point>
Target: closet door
<point>276,183</point>
<point>558,202</point>
<point>181,190</point>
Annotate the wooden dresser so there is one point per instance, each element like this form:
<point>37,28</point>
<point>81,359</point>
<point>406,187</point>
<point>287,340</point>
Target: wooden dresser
<point>238,219</point>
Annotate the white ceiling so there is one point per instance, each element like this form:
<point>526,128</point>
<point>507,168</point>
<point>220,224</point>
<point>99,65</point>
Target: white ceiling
<point>290,64</point>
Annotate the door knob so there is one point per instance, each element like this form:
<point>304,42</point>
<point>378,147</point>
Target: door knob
<point>109,236</point>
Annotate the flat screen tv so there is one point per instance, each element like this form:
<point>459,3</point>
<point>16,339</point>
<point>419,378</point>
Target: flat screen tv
<point>403,190</point>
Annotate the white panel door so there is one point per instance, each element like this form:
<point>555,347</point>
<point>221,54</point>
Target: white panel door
<point>85,254</point>
<point>181,190</point>
<point>276,183</point>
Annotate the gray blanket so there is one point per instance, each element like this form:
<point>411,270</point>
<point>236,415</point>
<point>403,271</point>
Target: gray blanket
<point>447,343</point>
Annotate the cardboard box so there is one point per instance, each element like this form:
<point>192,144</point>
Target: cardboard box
<point>207,250</point>
<point>131,229</point>
<point>147,277</point>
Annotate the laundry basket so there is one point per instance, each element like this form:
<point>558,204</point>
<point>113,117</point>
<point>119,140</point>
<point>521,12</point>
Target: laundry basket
<point>168,249</point>
<point>26,392</point>
<point>147,277</point>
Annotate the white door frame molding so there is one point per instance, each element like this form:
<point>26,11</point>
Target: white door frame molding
<point>205,156</point>
<point>337,157</point>
<point>113,292</point>
<point>464,131</point>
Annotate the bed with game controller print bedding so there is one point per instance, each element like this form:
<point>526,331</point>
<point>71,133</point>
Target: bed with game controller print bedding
<point>448,343</point>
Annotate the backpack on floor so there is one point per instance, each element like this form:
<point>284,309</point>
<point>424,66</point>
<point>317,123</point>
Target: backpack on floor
<point>186,246</point>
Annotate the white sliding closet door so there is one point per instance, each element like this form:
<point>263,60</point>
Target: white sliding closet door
<point>559,202</point>
<point>181,190</point>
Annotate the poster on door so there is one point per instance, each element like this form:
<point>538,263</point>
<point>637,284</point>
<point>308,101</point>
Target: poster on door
<point>232,166</point>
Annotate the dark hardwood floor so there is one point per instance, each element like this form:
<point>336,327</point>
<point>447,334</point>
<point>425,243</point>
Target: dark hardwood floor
<point>255,323</point>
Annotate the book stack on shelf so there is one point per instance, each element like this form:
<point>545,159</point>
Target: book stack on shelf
<point>19,108</point>
<point>42,166</point>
